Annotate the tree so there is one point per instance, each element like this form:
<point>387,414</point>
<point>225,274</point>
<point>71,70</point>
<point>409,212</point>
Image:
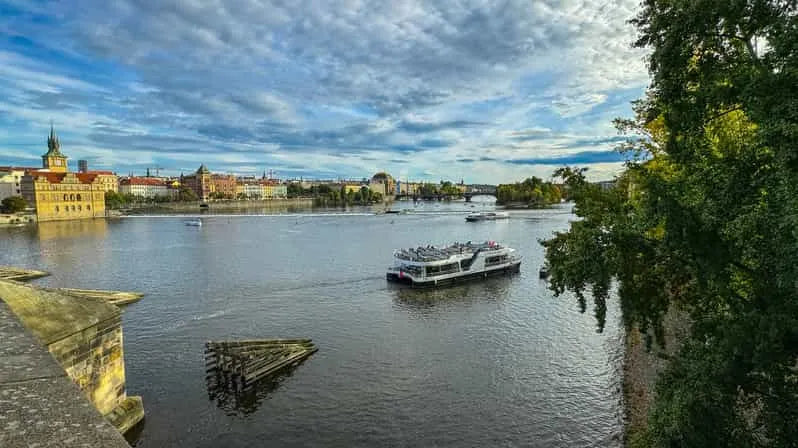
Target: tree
<point>185,194</point>
<point>532,192</point>
<point>705,221</point>
<point>13,204</point>
<point>114,200</point>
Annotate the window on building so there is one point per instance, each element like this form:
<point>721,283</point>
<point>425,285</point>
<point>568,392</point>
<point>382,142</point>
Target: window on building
<point>72,198</point>
<point>78,197</point>
<point>79,208</point>
<point>56,209</point>
<point>88,207</point>
<point>66,198</point>
<point>73,208</point>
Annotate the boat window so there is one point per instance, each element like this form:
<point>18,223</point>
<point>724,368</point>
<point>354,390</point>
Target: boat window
<point>496,259</point>
<point>442,269</point>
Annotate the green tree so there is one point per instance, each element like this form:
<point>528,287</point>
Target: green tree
<point>705,221</point>
<point>185,194</point>
<point>13,204</point>
<point>532,192</point>
<point>114,200</point>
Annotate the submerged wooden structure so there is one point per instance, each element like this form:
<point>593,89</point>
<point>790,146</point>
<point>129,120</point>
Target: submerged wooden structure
<point>20,274</point>
<point>243,363</point>
<point>117,298</point>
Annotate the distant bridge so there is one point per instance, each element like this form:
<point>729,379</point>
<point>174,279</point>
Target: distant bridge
<point>471,191</point>
<point>479,190</point>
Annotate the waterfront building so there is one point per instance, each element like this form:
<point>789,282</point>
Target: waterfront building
<point>383,184</point>
<point>272,189</point>
<point>146,187</point>
<point>223,184</point>
<point>58,194</point>
<point>249,188</point>
<point>10,181</point>
<point>107,179</point>
<point>199,182</point>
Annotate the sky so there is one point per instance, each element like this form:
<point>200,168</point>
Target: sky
<point>484,91</point>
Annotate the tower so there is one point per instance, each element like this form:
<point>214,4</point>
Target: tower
<point>53,160</point>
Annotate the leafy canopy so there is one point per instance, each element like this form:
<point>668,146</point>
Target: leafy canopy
<point>706,221</point>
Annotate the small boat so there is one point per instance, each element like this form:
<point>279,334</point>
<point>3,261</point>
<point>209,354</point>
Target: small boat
<point>431,266</point>
<point>392,212</point>
<point>486,216</point>
<point>194,223</point>
<point>544,272</point>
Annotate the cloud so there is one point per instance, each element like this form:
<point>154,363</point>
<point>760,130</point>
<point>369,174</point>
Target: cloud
<point>287,83</point>
<point>580,158</point>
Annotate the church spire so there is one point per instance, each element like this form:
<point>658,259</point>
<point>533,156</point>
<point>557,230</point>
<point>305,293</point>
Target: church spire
<point>53,145</point>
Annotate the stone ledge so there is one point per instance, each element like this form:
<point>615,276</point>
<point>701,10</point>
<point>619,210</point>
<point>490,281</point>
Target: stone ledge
<point>127,414</point>
<point>39,404</point>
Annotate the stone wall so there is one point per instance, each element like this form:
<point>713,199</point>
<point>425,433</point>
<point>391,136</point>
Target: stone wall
<point>93,358</point>
<point>84,335</point>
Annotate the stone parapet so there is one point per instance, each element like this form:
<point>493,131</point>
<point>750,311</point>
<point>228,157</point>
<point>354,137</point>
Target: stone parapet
<point>39,404</point>
<point>84,336</point>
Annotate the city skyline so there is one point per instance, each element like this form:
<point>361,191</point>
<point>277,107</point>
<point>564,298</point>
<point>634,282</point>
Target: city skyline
<point>419,90</point>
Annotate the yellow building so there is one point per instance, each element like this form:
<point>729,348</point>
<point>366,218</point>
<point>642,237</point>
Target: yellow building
<point>58,194</point>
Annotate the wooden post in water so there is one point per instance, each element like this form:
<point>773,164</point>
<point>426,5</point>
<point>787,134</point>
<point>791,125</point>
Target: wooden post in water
<point>242,363</point>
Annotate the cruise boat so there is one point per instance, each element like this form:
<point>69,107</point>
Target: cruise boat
<point>434,266</point>
<point>486,216</point>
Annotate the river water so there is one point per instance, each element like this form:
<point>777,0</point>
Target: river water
<point>496,363</point>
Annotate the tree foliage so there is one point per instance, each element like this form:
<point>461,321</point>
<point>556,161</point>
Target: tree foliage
<point>13,204</point>
<point>533,192</point>
<point>706,221</point>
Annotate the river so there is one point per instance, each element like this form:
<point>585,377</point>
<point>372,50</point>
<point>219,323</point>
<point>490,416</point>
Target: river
<point>495,363</point>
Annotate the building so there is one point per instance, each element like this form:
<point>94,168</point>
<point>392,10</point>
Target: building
<point>249,188</point>
<point>223,186</point>
<point>271,189</point>
<point>199,182</point>
<point>10,181</point>
<point>108,180</point>
<point>58,194</point>
<point>145,187</point>
<point>383,184</point>
<point>83,166</point>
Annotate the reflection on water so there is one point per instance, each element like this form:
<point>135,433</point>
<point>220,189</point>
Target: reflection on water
<point>234,399</point>
<point>492,363</point>
<point>51,230</point>
<point>492,289</point>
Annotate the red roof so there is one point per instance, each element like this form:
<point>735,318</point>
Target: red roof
<point>107,173</point>
<point>56,178</point>
<point>141,181</point>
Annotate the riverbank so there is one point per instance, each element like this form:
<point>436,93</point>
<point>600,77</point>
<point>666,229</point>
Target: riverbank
<point>640,372</point>
<point>183,207</point>
<point>17,219</point>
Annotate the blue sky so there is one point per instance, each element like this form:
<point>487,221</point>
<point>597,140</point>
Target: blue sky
<point>485,91</point>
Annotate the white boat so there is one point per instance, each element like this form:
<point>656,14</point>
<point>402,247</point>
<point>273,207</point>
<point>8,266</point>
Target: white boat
<point>434,266</point>
<point>194,223</point>
<point>486,216</point>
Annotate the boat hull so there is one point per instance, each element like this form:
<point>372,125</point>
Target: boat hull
<point>512,268</point>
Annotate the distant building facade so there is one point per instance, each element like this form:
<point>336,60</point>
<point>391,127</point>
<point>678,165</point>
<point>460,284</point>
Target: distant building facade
<point>383,184</point>
<point>145,187</point>
<point>58,194</point>
<point>272,189</point>
<point>83,166</point>
<point>199,182</point>
<point>223,184</point>
<point>11,181</point>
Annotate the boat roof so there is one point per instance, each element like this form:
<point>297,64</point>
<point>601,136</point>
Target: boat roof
<point>433,253</point>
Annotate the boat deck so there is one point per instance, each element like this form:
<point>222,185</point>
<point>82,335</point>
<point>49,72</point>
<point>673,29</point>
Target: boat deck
<point>432,253</point>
